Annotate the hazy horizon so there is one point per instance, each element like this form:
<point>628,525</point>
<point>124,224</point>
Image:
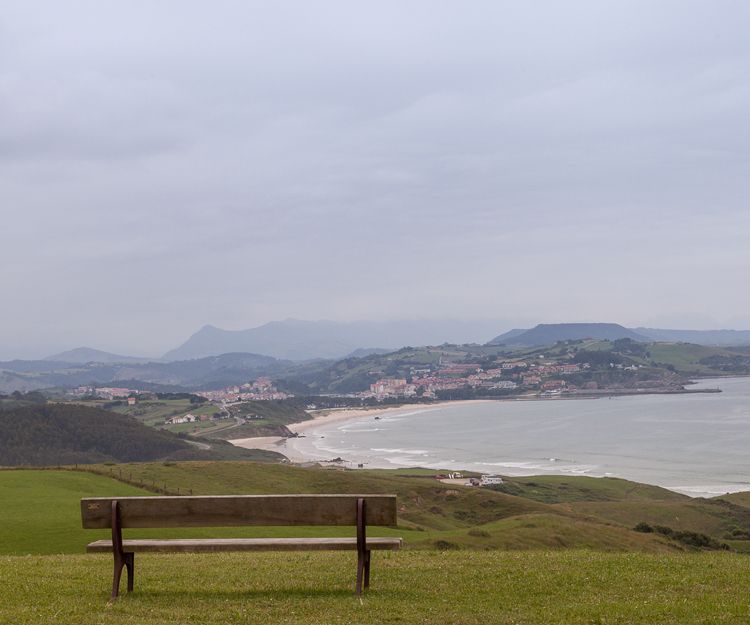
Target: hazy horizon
<point>455,332</point>
<point>169,165</point>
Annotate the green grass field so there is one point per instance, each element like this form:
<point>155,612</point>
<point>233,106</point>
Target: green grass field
<point>685,357</point>
<point>431,588</point>
<point>558,551</point>
<point>40,514</point>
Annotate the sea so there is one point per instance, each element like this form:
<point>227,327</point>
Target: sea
<point>696,444</point>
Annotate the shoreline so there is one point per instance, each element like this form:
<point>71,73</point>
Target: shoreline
<point>303,449</point>
<point>281,444</point>
<point>285,445</point>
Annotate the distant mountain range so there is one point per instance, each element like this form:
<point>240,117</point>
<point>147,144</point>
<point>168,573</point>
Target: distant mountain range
<point>87,354</point>
<point>210,372</point>
<point>348,374</point>
<point>550,333</point>
<point>293,339</point>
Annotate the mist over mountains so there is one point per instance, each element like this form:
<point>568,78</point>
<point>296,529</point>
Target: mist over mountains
<point>317,350</point>
<point>296,340</point>
<point>87,354</point>
<point>293,339</point>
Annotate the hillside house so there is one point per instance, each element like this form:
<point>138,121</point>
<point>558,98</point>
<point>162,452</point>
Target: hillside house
<point>186,418</point>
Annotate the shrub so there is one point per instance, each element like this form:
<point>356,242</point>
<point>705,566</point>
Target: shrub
<point>643,527</point>
<point>479,533</point>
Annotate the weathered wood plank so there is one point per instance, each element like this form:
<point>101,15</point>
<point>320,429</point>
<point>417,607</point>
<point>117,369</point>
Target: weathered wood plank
<point>238,510</point>
<point>244,544</point>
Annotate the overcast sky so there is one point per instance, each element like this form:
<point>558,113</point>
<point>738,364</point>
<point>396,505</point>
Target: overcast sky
<point>169,164</point>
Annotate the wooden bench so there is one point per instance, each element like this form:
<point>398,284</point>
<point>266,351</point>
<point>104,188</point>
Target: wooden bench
<point>234,511</point>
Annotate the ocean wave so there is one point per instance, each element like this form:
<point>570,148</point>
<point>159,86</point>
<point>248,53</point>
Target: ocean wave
<point>713,489</point>
<point>536,466</point>
<point>359,429</point>
<point>412,452</point>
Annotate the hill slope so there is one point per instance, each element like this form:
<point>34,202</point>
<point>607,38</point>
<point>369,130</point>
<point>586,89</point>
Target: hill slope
<point>551,333</point>
<point>83,355</point>
<point>699,337</point>
<point>55,434</point>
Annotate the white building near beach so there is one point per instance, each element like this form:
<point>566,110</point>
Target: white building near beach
<point>490,480</point>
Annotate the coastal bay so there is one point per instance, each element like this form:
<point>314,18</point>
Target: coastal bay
<point>695,444</point>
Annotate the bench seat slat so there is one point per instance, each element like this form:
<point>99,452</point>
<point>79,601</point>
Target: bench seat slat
<point>186,545</point>
<point>237,510</point>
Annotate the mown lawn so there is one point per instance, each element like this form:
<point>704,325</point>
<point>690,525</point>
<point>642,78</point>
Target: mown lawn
<point>456,588</point>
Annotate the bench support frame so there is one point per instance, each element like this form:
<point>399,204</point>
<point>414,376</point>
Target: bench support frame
<point>126,559</point>
<point>122,558</point>
<point>363,553</point>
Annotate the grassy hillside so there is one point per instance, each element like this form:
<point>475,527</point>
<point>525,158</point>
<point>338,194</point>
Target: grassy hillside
<point>560,488</point>
<point>40,510</point>
<point>262,418</point>
<point>249,418</point>
<point>544,513</point>
<point>431,588</point>
<point>692,359</point>
<point>431,515</point>
<point>55,434</point>
<point>439,512</point>
<point>473,570</point>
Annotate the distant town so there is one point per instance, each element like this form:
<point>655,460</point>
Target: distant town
<point>425,381</point>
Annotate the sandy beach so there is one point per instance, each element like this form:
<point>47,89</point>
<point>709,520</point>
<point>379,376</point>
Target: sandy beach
<point>321,418</point>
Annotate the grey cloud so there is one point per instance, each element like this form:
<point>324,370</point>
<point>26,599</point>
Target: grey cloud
<point>166,165</point>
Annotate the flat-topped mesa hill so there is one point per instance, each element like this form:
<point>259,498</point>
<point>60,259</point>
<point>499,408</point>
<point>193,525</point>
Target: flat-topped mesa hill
<point>57,434</point>
<point>551,333</point>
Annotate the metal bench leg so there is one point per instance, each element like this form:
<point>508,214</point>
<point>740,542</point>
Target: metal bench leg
<point>360,571</point>
<point>122,559</point>
<point>362,552</point>
<point>367,569</point>
<point>116,577</point>
<point>130,565</point>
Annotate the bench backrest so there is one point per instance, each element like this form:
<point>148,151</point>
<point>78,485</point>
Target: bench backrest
<point>238,510</point>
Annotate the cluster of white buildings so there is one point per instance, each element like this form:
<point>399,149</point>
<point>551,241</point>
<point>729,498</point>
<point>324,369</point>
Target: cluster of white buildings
<point>261,389</point>
<point>391,387</point>
<point>509,375</point>
<point>188,418</point>
<point>105,392</point>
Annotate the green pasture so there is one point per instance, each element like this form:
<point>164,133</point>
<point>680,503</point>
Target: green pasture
<point>417,587</point>
<point>557,551</point>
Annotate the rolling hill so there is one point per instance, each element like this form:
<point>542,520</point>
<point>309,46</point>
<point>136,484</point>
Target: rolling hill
<point>55,434</point>
<point>551,333</point>
<point>699,337</point>
<point>549,512</point>
<point>83,355</point>
<point>548,334</point>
